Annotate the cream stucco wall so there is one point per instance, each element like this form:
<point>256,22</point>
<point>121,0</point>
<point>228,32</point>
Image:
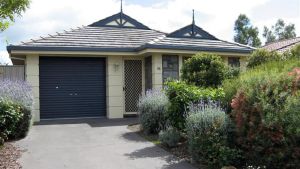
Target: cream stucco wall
<point>32,77</point>
<point>157,71</point>
<point>114,78</point>
<point>115,99</point>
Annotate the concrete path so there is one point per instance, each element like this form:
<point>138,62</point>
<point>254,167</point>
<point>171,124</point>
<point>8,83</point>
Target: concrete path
<point>92,144</point>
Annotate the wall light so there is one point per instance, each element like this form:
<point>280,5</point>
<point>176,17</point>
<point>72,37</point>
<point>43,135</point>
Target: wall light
<point>116,67</point>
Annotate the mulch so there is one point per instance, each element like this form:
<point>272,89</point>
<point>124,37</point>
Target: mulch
<point>9,154</point>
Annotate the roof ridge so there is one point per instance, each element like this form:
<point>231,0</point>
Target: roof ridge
<point>239,44</point>
<point>156,40</point>
<point>50,35</point>
<point>291,44</point>
<point>280,41</point>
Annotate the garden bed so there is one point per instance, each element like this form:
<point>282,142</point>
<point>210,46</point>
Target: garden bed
<point>9,154</point>
<point>180,151</point>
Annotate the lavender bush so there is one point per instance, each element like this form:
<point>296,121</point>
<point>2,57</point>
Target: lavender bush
<point>152,108</point>
<point>206,116</point>
<point>206,127</point>
<point>169,136</point>
<point>19,92</point>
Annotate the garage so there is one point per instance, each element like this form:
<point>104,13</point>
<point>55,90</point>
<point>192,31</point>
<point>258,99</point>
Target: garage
<point>72,87</point>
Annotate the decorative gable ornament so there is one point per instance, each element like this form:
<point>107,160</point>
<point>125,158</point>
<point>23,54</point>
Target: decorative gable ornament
<point>120,20</point>
<point>192,31</point>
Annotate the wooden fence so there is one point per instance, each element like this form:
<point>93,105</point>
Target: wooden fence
<point>13,73</point>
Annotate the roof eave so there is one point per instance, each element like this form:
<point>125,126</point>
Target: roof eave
<point>191,48</point>
<point>73,49</point>
<point>132,50</point>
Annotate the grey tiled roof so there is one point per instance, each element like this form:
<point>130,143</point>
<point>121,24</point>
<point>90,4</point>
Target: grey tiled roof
<point>96,37</point>
<point>282,45</point>
<point>113,35</point>
<point>198,44</point>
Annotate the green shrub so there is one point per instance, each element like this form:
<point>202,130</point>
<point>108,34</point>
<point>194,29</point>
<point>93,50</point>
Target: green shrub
<point>264,114</point>
<point>295,51</point>
<point>1,140</point>
<point>204,70</point>
<point>232,72</point>
<point>23,125</point>
<point>181,94</point>
<point>272,68</point>
<point>261,56</point>
<point>291,116</point>
<point>10,115</point>
<point>206,127</point>
<point>15,109</point>
<point>170,136</point>
<point>152,108</point>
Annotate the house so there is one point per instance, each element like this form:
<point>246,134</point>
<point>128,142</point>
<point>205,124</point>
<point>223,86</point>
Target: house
<point>100,70</point>
<point>282,45</point>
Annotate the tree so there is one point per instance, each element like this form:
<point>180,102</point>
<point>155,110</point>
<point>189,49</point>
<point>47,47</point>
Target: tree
<point>279,31</point>
<point>245,33</point>
<point>9,9</point>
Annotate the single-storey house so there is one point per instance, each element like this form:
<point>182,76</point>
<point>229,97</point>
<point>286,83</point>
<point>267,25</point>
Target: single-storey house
<point>282,45</point>
<point>100,70</point>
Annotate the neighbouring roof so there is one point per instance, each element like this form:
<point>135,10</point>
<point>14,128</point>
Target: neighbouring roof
<point>121,33</point>
<point>282,45</point>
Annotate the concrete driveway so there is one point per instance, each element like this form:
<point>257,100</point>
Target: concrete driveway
<point>92,144</point>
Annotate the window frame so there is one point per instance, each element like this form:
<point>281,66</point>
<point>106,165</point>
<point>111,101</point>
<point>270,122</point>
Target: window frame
<point>175,68</point>
<point>232,62</point>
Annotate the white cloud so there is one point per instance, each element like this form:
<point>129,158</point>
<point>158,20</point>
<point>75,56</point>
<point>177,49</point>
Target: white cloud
<point>215,16</point>
<point>4,59</point>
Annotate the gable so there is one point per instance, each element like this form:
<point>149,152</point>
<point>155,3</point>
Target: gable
<point>192,31</point>
<point>120,20</point>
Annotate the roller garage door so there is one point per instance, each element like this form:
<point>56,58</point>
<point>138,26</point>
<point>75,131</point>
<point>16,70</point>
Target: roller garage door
<point>72,87</point>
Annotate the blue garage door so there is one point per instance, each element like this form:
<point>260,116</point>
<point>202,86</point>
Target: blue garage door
<point>72,87</point>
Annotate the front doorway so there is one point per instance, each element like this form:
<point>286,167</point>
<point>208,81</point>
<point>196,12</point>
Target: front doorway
<point>133,86</point>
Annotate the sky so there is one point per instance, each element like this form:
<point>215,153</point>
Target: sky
<point>215,16</point>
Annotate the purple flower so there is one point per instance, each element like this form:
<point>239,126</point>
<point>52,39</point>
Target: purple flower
<point>16,91</point>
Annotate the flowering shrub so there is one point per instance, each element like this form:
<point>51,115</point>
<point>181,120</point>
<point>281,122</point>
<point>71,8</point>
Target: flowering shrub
<point>16,91</point>
<point>207,126</point>
<point>15,109</point>
<point>264,113</point>
<point>181,95</point>
<point>152,108</point>
<point>270,69</point>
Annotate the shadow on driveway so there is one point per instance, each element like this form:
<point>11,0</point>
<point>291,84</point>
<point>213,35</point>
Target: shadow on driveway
<point>154,152</point>
<point>93,122</point>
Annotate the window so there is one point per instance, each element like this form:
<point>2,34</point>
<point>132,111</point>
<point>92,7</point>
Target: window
<point>234,61</point>
<point>148,73</point>
<point>170,67</point>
